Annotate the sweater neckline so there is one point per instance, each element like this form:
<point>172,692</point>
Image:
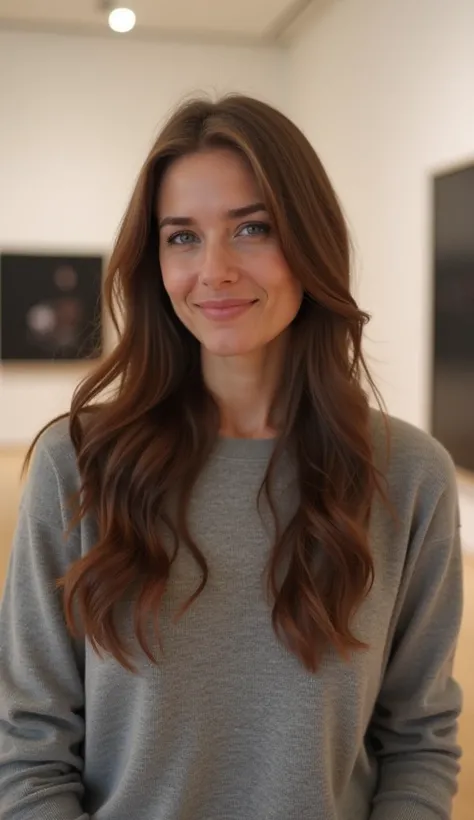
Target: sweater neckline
<point>248,449</point>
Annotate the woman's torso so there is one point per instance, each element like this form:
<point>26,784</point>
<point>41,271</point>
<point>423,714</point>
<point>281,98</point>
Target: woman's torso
<point>228,723</point>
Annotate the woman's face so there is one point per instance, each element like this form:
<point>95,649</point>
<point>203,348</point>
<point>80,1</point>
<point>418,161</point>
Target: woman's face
<point>220,258</point>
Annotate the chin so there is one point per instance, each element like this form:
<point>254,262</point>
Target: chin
<point>227,347</point>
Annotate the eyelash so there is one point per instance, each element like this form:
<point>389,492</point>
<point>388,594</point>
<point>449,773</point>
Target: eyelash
<point>263,225</point>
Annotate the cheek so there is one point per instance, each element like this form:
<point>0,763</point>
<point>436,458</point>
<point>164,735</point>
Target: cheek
<point>176,283</point>
<point>287,298</point>
<point>280,284</point>
<point>291,302</point>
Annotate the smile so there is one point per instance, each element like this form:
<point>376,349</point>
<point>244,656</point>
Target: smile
<point>226,309</point>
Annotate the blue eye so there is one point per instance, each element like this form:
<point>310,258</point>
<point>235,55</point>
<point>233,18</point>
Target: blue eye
<point>181,238</point>
<point>254,229</point>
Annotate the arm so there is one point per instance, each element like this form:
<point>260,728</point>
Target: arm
<point>414,728</point>
<point>41,689</point>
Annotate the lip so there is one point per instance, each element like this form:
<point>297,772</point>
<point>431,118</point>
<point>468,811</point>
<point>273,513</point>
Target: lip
<point>225,308</point>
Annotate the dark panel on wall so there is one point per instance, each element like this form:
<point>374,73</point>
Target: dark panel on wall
<point>453,365</point>
<point>50,307</point>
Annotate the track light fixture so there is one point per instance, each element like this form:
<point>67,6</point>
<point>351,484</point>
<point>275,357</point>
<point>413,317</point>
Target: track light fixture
<point>120,19</point>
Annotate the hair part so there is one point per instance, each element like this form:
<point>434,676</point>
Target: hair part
<point>152,437</point>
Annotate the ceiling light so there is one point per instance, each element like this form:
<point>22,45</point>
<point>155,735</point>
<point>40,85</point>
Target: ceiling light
<point>122,20</point>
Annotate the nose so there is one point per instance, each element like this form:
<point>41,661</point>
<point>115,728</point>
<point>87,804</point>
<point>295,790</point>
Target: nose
<point>218,268</point>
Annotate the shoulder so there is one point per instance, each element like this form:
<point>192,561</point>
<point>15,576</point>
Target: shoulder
<point>53,476</point>
<point>419,473</point>
<point>55,446</point>
<point>409,452</point>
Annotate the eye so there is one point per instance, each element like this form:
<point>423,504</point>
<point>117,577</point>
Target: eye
<point>182,238</point>
<point>254,229</point>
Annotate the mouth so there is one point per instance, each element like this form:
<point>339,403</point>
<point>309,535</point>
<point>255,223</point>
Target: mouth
<point>226,308</point>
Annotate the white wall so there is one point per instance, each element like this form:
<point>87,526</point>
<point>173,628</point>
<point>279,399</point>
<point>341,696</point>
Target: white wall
<point>78,116</point>
<point>385,91</point>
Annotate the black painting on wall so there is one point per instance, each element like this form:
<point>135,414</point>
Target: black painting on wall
<point>50,307</point>
<point>453,363</point>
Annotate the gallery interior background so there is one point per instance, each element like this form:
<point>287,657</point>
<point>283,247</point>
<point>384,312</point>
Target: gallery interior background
<point>383,88</point>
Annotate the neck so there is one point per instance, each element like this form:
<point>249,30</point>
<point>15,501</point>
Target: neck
<point>244,388</point>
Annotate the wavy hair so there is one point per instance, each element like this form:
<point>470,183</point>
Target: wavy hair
<point>138,439</point>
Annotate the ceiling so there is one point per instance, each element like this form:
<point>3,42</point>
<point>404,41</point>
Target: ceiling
<point>212,20</point>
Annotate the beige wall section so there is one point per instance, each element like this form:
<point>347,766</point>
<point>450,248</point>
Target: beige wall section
<point>10,466</point>
<point>10,492</point>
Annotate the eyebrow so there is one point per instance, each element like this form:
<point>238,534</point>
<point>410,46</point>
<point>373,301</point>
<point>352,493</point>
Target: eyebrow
<point>234,213</point>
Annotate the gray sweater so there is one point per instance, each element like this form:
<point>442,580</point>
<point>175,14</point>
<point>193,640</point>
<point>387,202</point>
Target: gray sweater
<point>229,725</point>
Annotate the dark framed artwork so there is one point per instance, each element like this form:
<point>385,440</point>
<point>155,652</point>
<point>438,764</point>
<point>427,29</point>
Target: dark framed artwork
<point>50,307</point>
<point>453,333</point>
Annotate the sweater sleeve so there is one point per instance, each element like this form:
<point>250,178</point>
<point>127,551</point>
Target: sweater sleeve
<point>41,680</point>
<point>414,727</point>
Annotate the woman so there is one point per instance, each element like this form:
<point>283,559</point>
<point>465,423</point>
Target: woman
<point>261,577</point>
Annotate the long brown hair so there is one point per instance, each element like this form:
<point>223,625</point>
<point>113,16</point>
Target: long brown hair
<point>154,432</point>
